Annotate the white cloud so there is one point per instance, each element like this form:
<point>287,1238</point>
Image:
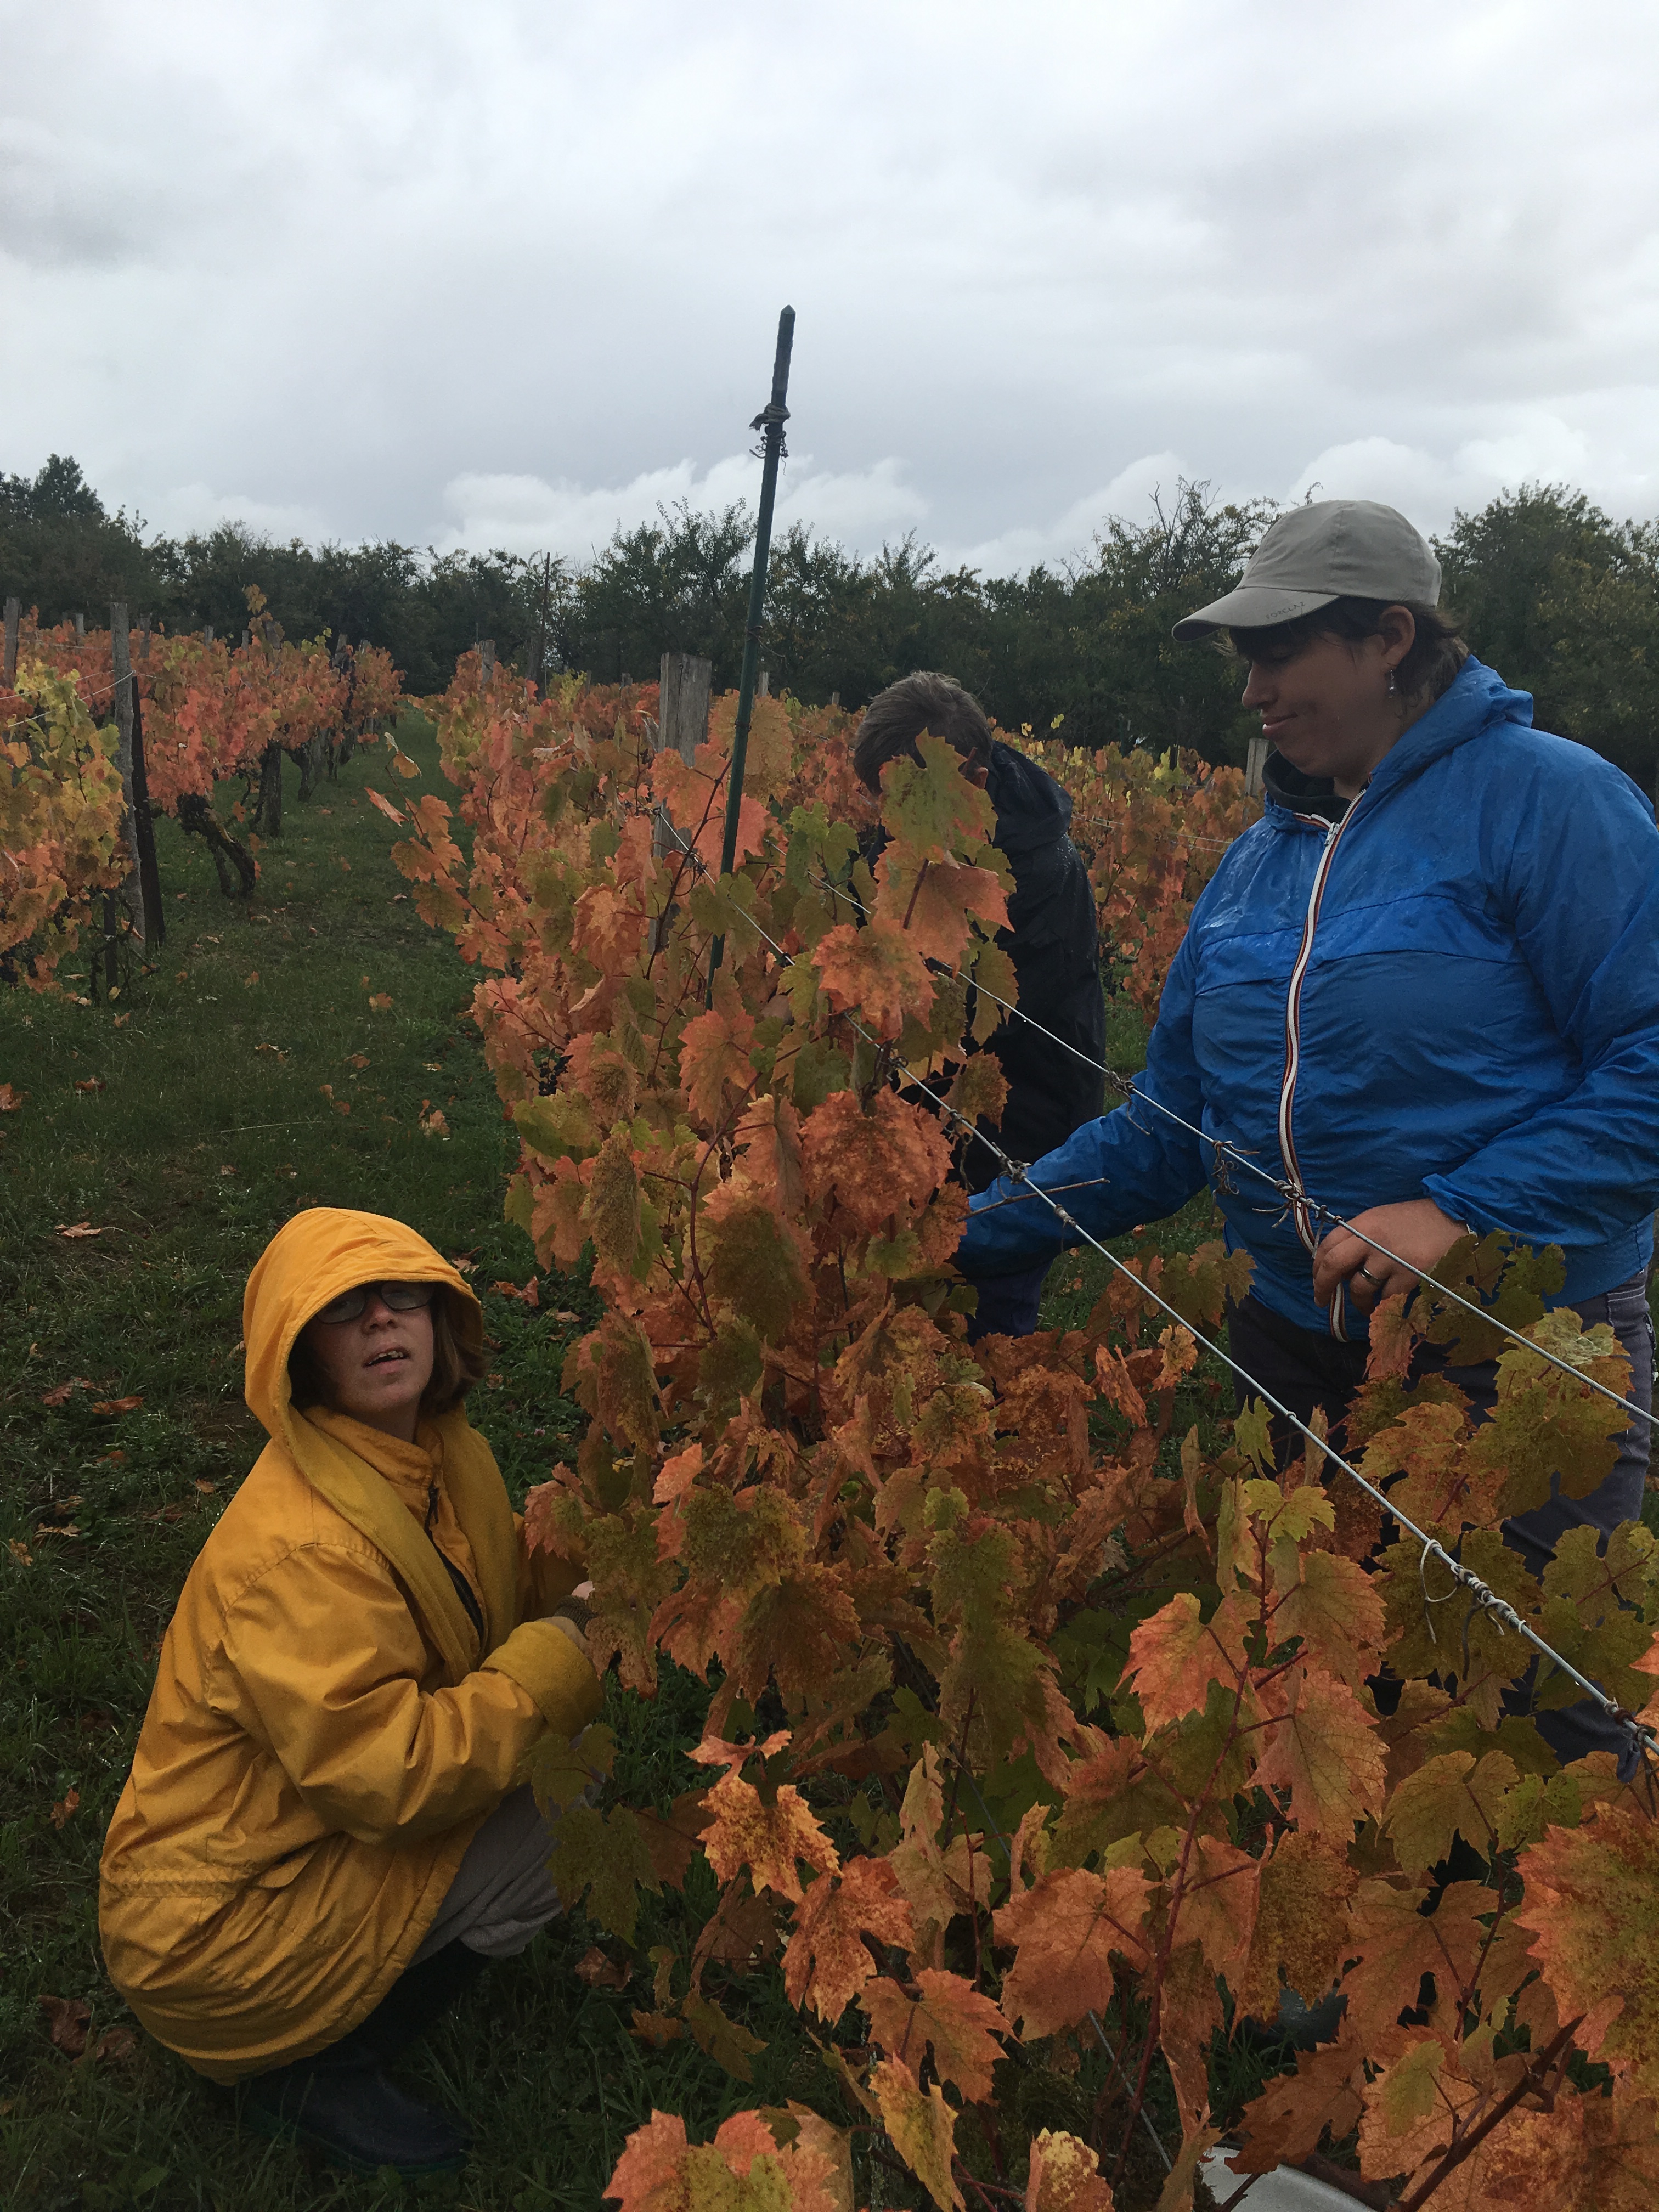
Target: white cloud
<point>526,514</point>
<point>1071,533</point>
<point>184,509</point>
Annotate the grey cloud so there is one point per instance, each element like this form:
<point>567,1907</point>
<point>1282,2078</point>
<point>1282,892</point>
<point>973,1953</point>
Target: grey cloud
<point>364,257</point>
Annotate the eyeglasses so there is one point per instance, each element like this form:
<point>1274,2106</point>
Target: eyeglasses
<point>402,1298</point>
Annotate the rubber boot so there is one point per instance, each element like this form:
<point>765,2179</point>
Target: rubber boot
<point>343,2104</point>
<point>342,2101</point>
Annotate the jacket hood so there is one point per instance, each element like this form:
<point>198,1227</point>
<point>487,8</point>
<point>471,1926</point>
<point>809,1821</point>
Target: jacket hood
<point>313,1260</point>
<point>1476,701</point>
<point>1031,808</point>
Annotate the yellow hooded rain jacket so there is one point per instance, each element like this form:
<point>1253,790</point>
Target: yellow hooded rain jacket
<point>327,1727</point>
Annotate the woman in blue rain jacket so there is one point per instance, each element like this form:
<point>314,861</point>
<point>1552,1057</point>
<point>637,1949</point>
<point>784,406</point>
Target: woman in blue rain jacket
<point>1423,992</point>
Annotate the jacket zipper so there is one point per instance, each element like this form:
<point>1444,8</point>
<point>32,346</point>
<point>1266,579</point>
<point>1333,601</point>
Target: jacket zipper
<point>462,1587</point>
<point>1301,1217</point>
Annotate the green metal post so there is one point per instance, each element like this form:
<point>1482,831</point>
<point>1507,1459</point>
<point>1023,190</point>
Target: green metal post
<point>769,421</point>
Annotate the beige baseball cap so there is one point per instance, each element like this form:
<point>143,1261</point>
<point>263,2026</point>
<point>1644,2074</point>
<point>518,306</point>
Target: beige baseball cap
<point>1335,549</point>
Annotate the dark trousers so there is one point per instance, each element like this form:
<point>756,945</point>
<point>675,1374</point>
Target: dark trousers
<point>1304,1369</point>
<point>1008,1303</point>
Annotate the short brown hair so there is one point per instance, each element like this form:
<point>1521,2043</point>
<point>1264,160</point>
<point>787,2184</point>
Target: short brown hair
<point>1438,651</point>
<point>896,717</point>
<point>457,1364</point>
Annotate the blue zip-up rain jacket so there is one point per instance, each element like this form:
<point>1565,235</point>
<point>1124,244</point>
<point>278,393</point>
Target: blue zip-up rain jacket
<point>1451,993</point>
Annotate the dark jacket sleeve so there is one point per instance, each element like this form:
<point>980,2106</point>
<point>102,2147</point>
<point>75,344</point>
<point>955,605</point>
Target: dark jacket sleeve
<point>1133,1166</point>
<point>1051,940</point>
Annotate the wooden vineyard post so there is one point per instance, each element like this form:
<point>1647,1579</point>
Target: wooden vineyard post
<point>80,629</point>
<point>1257,761</point>
<point>683,708</point>
<point>268,808</point>
<point>486,662</point>
<point>133,889</point>
<point>135,775</point>
<point>8,668</point>
<point>769,422</point>
<point>683,723</point>
<point>763,684</point>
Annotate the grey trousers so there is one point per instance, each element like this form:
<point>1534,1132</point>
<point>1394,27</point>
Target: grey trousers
<point>502,1894</point>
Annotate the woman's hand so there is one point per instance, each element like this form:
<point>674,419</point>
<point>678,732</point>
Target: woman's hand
<point>1418,1230</point>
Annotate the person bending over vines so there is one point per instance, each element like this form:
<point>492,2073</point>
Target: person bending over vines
<point>1054,1083</point>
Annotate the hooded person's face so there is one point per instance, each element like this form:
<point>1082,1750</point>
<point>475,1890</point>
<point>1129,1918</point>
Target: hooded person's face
<point>376,1367</point>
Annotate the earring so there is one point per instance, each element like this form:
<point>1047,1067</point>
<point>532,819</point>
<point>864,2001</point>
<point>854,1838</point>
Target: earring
<point>1393,686</point>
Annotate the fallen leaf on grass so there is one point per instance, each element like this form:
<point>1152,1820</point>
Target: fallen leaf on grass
<point>21,1551</point>
<point>529,1295</point>
<point>91,1083</point>
<point>346,864</point>
<point>434,1124</point>
<point>118,1405</point>
<point>117,1456</point>
<point>65,1808</point>
<point>120,1019</point>
<point>67,2022</point>
<point>600,1973</point>
<point>183,976</point>
<point>466,1265</point>
<point>276,1048</point>
<point>56,1528</point>
<point>78,1229</point>
<point>10,1100</point>
<point>251,980</point>
<point>380,1002</point>
<point>59,1394</point>
<point>205,1489</point>
<point>116,2044</point>
<point>562,1315</point>
<point>656,2030</point>
<point>360,1060</point>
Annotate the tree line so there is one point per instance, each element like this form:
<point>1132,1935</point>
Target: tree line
<point>1558,597</point>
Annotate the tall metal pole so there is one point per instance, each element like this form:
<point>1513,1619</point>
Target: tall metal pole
<point>769,421</point>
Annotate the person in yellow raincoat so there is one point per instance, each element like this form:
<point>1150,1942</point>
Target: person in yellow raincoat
<point>320,1841</point>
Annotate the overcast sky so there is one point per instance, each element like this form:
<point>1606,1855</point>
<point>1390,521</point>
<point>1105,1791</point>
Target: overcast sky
<point>503,274</point>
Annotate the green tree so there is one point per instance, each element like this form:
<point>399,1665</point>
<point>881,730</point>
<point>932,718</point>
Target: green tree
<point>63,553</point>
<point>1565,604</point>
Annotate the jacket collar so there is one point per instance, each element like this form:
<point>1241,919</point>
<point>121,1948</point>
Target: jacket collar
<point>1476,701</point>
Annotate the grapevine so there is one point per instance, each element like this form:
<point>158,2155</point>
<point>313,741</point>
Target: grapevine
<point>1040,1735</point>
<point>211,713</point>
